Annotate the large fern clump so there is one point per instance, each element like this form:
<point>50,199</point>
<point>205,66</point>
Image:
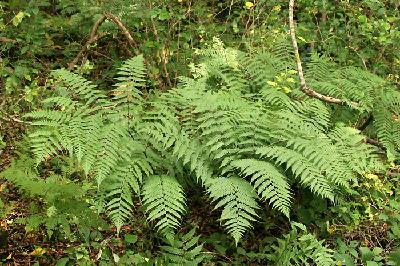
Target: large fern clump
<point>239,128</point>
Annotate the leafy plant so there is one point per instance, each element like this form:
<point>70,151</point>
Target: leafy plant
<point>299,247</point>
<point>184,249</point>
<point>64,202</point>
<point>213,127</point>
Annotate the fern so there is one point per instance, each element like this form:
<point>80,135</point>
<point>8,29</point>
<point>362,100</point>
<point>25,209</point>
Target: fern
<point>164,201</point>
<point>131,78</point>
<point>63,203</point>
<point>237,198</point>
<point>301,167</point>
<point>227,129</point>
<point>120,202</point>
<point>298,247</point>
<point>184,250</point>
<point>269,182</point>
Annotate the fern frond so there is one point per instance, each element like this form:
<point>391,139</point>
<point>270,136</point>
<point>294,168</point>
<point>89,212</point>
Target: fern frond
<point>164,201</point>
<point>77,85</point>
<point>110,146</point>
<point>299,247</point>
<point>131,78</point>
<point>238,200</point>
<point>119,204</point>
<point>302,168</point>
<point>269,182</point>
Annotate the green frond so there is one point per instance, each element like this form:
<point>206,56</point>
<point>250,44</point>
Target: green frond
<point>238,201</point>
<point>111,148</point>
<point>355,153</point>
<point>231,118</point>
<point>325,157</point>
<point>387,123</point>
<point>131,78</point>
<point>79,86</point>
<point>268,181</point>
<point>302,168</point>
<point>299,247</point>
<point>163,201</point>
<point>119,196</point>
<point>184,250</point>
<point>281,48</point>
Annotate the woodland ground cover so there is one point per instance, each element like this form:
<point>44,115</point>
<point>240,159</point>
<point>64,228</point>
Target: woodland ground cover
<point>199,132</point>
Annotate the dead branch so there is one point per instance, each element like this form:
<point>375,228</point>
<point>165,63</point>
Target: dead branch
<point>94,37</point>
<point>303,85</point>
<point>5,40</point>
<point>162,53</point>
<point>374,142</point>
<point>14,119</point>
<point>363,123</point>
<point>122,27</point>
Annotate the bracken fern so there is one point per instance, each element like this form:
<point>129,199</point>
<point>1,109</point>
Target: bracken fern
<point>228,129</point>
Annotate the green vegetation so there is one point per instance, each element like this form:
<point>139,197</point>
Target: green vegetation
<point>199,132</point>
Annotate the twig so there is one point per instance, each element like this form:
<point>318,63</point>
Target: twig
<point>122,27</point>
<point>162,53</point>
<point>303,86</point>
<point>362,124</point>
<point>13,119</point>
<point>92,39</point>
<point>374,142</point>
<point>103,55</point>
<point>5,39</point>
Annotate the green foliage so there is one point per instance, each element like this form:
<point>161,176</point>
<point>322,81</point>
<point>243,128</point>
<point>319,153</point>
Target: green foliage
<point>375,96</point>
<point>184,250</point>
<point>301,248</point>
<point>210,126</point>
<point>237,198</point>
<point>163,199</point>
<point>239,131</point>
<point>64,202</point>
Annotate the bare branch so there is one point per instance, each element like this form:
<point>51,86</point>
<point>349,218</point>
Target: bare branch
<point>5,39</point>
<point>374,142</point>
<point>122,27</point>
<point>92,39</point>
<point>162,53</point>
<point>363,123</point>
<point>14,119</point>
<point>303,85</point>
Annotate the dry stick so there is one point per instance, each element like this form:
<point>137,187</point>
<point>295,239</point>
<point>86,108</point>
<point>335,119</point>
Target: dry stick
<point>122,27</point>
<point>303,86</point>
<point>362,124</point>
<point>311,92</point>
<point>5,39</point>
<point>374,142</point>
<point>13,119</point>
<point>162,54</point>
<point>92,39</point>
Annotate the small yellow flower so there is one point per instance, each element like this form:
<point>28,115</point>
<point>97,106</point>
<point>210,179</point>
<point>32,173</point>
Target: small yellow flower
<point>277,8</point>
<point>371,176</point>
<point>301,39</point>
<point>249,5</point>
<point>286,90</point>
<point>271,83</point>
<point>290,80</point>
<point>38,251</point>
